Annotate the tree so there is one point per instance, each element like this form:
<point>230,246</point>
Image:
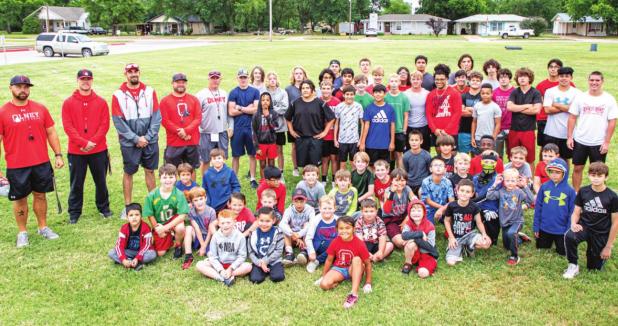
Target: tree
<point>436,25</point>
<point>606,9</point>
<point>453,9</point>
<point>14,11</point>
<point>528,8</point>
<point>397,7</point>
<point>112,13</point>
<point>538,24</point>
<point>31,25</point>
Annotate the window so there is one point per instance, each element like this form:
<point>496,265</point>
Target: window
<point>496,26</point>
<point>45,37</point>
<point>72,39</point>
<point>398,26</point>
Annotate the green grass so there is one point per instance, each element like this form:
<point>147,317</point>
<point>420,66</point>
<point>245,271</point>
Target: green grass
<point>71,281</point>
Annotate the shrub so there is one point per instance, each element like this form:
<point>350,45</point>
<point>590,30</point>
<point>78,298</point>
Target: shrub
<point>538,24</point>
<point>31,25</point>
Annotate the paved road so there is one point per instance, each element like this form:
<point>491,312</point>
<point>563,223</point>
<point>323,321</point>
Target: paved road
<point>129,47</point>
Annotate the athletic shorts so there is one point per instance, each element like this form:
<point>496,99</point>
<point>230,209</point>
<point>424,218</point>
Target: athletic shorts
<point>372,247</point>
<point>565,152</point>
<point>400,142</point>
<point>469,240</point>
<point>133,157</point>
<point>269,151</point>
<point>424,260</point>
<point>38,178</point>
<point>393,226</point>
<point>582,153</point>
<point>162,244</point>
<point>196,243</point>
<point>464,143</point>
<point>377,154</point>
<point>176,155</point>
<point>347,152</point>
<point>242,143</point>
<point>343,271</point>
<point>280,138</point>
<point>328,148</point>
<point>540,135</point>
<point>308,151</point>
<point>525,139</point>
<point>206,145</point>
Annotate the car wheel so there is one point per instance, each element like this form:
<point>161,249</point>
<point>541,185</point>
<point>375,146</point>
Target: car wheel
<point>526,35</point>
<point>48,51</point>
<point>86,53</point>
<point>505,36</point>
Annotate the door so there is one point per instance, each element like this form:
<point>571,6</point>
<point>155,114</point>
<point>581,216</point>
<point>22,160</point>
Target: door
<point>387,27</point>
<point>73,45</point>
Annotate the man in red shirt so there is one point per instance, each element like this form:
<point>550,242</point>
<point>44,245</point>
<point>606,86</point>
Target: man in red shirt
<point>181,115</point>
<point>85,118</point>
<point>26,127</point>
<point>443,106</point>
<point>552,80</point>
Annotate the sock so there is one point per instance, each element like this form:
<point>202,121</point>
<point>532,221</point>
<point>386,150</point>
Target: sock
<point>189,255</point>
<point>288,249</point>
<point>323,178</point>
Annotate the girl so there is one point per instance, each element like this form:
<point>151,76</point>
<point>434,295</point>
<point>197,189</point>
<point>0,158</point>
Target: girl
<point>404,76</point>
<point>348,259</point>
<point>293,90</point>
<point>280,106</point>
<point>264,125</point>
<point>420,248</point>
<point>257,79</point>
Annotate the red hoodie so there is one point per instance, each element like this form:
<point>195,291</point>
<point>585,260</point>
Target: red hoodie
<point>443,110</point>
<point>425,225</point>
<point>85,118</point>
<point>181,112</point>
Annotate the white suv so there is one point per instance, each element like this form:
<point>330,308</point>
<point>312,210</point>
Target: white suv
<point>69,43</point>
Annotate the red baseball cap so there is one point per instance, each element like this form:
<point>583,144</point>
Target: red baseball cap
<point>131,66</point>
<point>84,74</point>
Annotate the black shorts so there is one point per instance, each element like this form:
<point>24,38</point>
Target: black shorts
<point>546,240</point>
<point>308,151</point>
<point>540,135</point>
<point>280,138</point>
<point>291,138</point>
<point>581,153</point>
<point>133,157</point>
<point>377,154</point>
<point>176,155</point>
<point>400,142</point>
<point>328,148</point>
<point>23,181</point>
<point>372,247</point>
<point>347,152</point>
<point>565,152</point>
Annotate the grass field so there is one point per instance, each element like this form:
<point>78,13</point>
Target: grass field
<point>71,280</point>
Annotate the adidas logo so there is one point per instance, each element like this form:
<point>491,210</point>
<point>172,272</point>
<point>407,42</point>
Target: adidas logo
<point>595,206</point>
<point>380,117</point>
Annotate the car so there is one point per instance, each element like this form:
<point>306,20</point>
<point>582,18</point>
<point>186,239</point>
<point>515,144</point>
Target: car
<point>51,44</point>
<point>96,30</point>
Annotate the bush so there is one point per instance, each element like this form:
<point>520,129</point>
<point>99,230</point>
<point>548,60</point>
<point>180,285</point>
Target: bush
<point>31,25</point>
<point>538,24</point>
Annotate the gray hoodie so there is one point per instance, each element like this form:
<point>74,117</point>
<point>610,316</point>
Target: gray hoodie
<point>231,249</point>
<point>273,254</point>
<point>295,221</point>
<point>280,106</point>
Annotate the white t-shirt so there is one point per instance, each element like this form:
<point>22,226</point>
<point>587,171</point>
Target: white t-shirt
<point>557,123</point>
<point>485,115</point>
<point>349,117</point>
<point>594,113</point>
<point>417,117</point>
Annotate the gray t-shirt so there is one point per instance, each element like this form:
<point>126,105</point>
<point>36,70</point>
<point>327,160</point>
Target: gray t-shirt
<point>557,123</point>
<point>417,117</point>
<point>281,103</point>
<point>485,115</point>
<point>349,117</point>
<point>214,111</point>
<point>493,82</point>
<point>417,166</point>
<point>295,221</point>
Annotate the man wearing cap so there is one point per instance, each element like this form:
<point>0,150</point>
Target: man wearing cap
<point>216,126</point>
<point>136,116</point>
<point>85,118</point>
<point>25,128</point>
<point>181,115</point>
<point>242,104</point>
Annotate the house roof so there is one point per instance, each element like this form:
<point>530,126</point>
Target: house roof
<point>167,19</point>
<point>405,17</point>
<point>491,18</point>
<point>565,18</point>
<point>56,13</point>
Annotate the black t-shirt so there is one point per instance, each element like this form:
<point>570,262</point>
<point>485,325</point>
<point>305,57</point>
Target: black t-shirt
<point>520,121</point>
<point>455,178</point>
<point>462,217</point>
<point>468,100</point>
<point>597,208</point>
<point>362,181</point>
<point>133,241</point>
<point>309,118</point>
<point>449,164</point>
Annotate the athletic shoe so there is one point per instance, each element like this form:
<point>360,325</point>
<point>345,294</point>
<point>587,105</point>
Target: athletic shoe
<point>524,237</point>
<point>513,261</point>
<point>288,259</point>
<point>139,267</point>
<point>22,240</point>
<point>301,258</point>
<point>107,214</point>
<point>350,301</point>
<point>177,252</point>
<point>406,269</point>
<point>254,184</point>
<point>295,173</point>
<point>229,281</point>
<point>188,261</point>
<point>73,220</point>
<point>48,234</point>
<point>123,214</point>
<point>469,251</point>
<point>312,266</point>
<point>571,271</point>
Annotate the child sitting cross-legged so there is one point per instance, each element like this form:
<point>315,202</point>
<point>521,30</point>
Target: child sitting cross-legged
<point>265,248</point>
<point>134,245</point>
<point>321,231</point>
<point>294,226</point>
<point>420,246</point>
<point>346,196</point>
<point>395,208</point>
<point>371,229</point>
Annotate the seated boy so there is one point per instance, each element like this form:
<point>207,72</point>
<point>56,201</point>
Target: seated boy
<point>436,191</point>
<point>294,227</point>
<point>219,181</point>
<point>371,229</point>
<point>346,197</point>
<point>395,208</point>
<point>265,249</point>
<point>382,181</point>
<point>482,182</point>
<point>201,216</point>
<point>185,181</point>
<point>487,143</point>
<point>269,199</point>
<point>311,186</point>
<point>445,146</point>
<point>272,180</point>
<point>518,162</point>
<point>549,152</point>
<point>461,172</point>
<point>420,236</point>
<point>133,247</point>
<point>320,232</point>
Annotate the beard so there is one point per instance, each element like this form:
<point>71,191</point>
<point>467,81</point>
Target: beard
<point>180,89</point>
<point>134,81</point>
<point>22,96</point>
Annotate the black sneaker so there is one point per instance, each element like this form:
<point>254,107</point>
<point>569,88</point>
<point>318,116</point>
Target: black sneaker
<point>139,267</point>
<point>407,268</point>
<point>254,184</point>
<point>288,259</point>
<point>73,220</point>
<point>229,281</point>
<point>107,214</point>
<point>177,252</point>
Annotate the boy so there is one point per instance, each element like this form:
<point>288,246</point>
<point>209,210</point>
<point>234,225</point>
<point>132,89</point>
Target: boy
<point>329,151</point>
<point>416,161</point>
<point>185,182</point>
<point>482,182</point>
<point>461,82</point>
<point>197,235</point>
<point>228,252</point>
<point>320,233</point>
<point>362,178</point>
<point>395,208</point>
<point>594,220</point>
<point>554,206</point>
<point>486,117</point>
<point>245,220</point>
<point>445,145</point>
<point>264,124</point>
<point>268,198</point>
<point>401,105</point>
<point>382,180</point>
<point>347,79</point>
<point>265,248</point>
<point>166,208</point>
<point>462,167</point>
<point>219,181</point>
<point>378,132</point>
<point>371,229</point>
<point>460,219</point>
<point>518,162</point>
<point>487,143</point>
<point>348,116</point>
<point>420,248</point>
<point>501,97</point>
<point>549,152</point>
<point>365,66</point>
<point>272,180</point>
<point>514,196</point>
<point>346,196</point>
<point>436,191</point>
<point>133,247</point>
<point>362,96</point>
<point>294,227</point>
<point>311,186</point>
<point>468,100</point>
<point>378,75</point>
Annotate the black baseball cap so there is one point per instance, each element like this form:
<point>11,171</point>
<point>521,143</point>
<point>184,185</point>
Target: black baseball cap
<point>334,61</point>
<point>85,73</point>
<point>271,172</point>
<point>299,194</point>
<point>179,76</point>
<point>21,79</point>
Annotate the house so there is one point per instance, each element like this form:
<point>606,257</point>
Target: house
<point>585,26</point>
<point>61,17</point>
<point>404,24</point>
<point>486,24</point>
<point>165,25</point>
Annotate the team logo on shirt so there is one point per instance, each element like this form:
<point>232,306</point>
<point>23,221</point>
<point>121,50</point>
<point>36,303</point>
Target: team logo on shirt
<point>25,116</point>
<point>380,117</point>
<point>594,110</point>
<point>595,206</point>
<point>560,199</point>
<point>445,108</point>
<point>344,257</point>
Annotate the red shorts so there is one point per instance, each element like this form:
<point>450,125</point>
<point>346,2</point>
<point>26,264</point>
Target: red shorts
<point>525,139</point>
<point>226,266</point>
<point>393,226</point>
<point>165,243</point>
<point>269,151</point>
<point>422,260</point>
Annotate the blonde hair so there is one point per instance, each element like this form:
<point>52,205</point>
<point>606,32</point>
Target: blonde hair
<point>269,193</point>
<point>361,156</point>
<point>462,157</point>
<point>416,74</point>
<point>310,168</point>
<point>326,199</point>
<point>396,76</point>
<point>511,172</point>
<point>272,73</point>
<point>343,174</point>
<point>519,150</point>
<point>378,70</point>
<point>292,80</point>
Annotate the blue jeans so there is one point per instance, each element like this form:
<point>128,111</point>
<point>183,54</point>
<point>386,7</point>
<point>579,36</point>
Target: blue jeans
<point>320,250</point>
<point>464,144</point>
<point>510,238</point>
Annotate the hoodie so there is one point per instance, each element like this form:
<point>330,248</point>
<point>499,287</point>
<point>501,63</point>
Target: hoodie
<point>85,118</point>
<point>554,202</point>
<point>280,103</point>
<point>411,231</point>
<point>264,127</point>
<point>227,249</point>
<point>295,221</point>
<point>219,186</point>
<point>136,113</point>
<point>272,254</point>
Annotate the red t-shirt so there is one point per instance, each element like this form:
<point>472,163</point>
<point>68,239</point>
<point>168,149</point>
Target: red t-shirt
<point>461,92</point>
<point>345,251</point>
<point>280,191</point>
<point>543,87</point>
<point>443,110</point>
<point>403,88</point>
<point>540,171</point>
<point>181,112</point>
<point>332,103</point>
<point>244,220</point>
<point>24,134</point>
<point>476,168</point>
<point>380,188</point>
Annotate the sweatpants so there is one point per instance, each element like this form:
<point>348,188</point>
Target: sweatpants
<point>78,167</point>
<point>510,238</point>
<point>149,255</point>
<point>596,242</point>
<point>546,240</point>
<point>276,273</point>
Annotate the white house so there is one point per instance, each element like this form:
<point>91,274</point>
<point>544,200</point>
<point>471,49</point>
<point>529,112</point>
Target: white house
<point>404,24</point>
<point>586,26</point>
<point>486,24</point>
<point>163,24</point>
<point>61,17</point>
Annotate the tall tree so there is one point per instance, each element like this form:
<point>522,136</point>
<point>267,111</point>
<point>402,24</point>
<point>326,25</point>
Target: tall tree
<point>528,8</point>
<point>113,13</point>
<point>606,9</point>
<point>453,9</point>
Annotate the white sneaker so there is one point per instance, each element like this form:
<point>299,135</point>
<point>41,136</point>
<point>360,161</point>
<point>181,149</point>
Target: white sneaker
<point>22,240</point>
<point>312,266</point>
<point>48,234</point>
<point>295,173</point>
<point>571,271</point>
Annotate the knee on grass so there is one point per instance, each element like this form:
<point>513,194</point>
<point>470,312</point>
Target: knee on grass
<point>423,272</point>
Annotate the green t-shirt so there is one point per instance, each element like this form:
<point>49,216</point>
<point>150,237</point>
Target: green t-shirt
<point>400,104</point>
<point>163,209</point>
<point>362,181</point>
<point>364,100</point>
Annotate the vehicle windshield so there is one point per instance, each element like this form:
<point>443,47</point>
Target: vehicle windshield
<point>83,38</point>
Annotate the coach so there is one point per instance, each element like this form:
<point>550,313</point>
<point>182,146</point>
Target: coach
<point>26,127</point>
<point>85,118</point>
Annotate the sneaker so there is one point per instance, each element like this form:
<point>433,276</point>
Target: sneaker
<point>301,258</point>
<point>312,266</point>
<point>107,214</point>
<point>513,261</point>
<point>524,237</point>
<point>406,269</point>
<point>571,271</point>
<point>22,239</point>
<point>139,267</point>
<point>469,252</point>
<point>288,259</point>
<point>123,214</point>
<point>350,301</point>
<point>254,184</point>
<point>229,281</point>
<point>188,261</point>
<point>48,234</point>
<point>73,220</point>
<point>177,252</point>
<point>295,173</point>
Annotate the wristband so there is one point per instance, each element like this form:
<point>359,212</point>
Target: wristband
<point>59,155</point>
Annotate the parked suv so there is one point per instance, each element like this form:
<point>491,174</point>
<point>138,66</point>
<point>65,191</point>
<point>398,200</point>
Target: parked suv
<point>68,43</point>
<point>97,31</point>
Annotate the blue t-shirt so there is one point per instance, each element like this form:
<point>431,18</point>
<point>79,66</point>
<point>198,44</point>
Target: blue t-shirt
<point>182,187</point>
<point>324,233</point>
<point>243,97</point>
<point>439,193</point>
<point>263,241</point>
<point>380,119</point>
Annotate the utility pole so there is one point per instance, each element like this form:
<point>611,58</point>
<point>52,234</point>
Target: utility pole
<point>270,20</point>
<point>46,18</point>
<point>350,20</point>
